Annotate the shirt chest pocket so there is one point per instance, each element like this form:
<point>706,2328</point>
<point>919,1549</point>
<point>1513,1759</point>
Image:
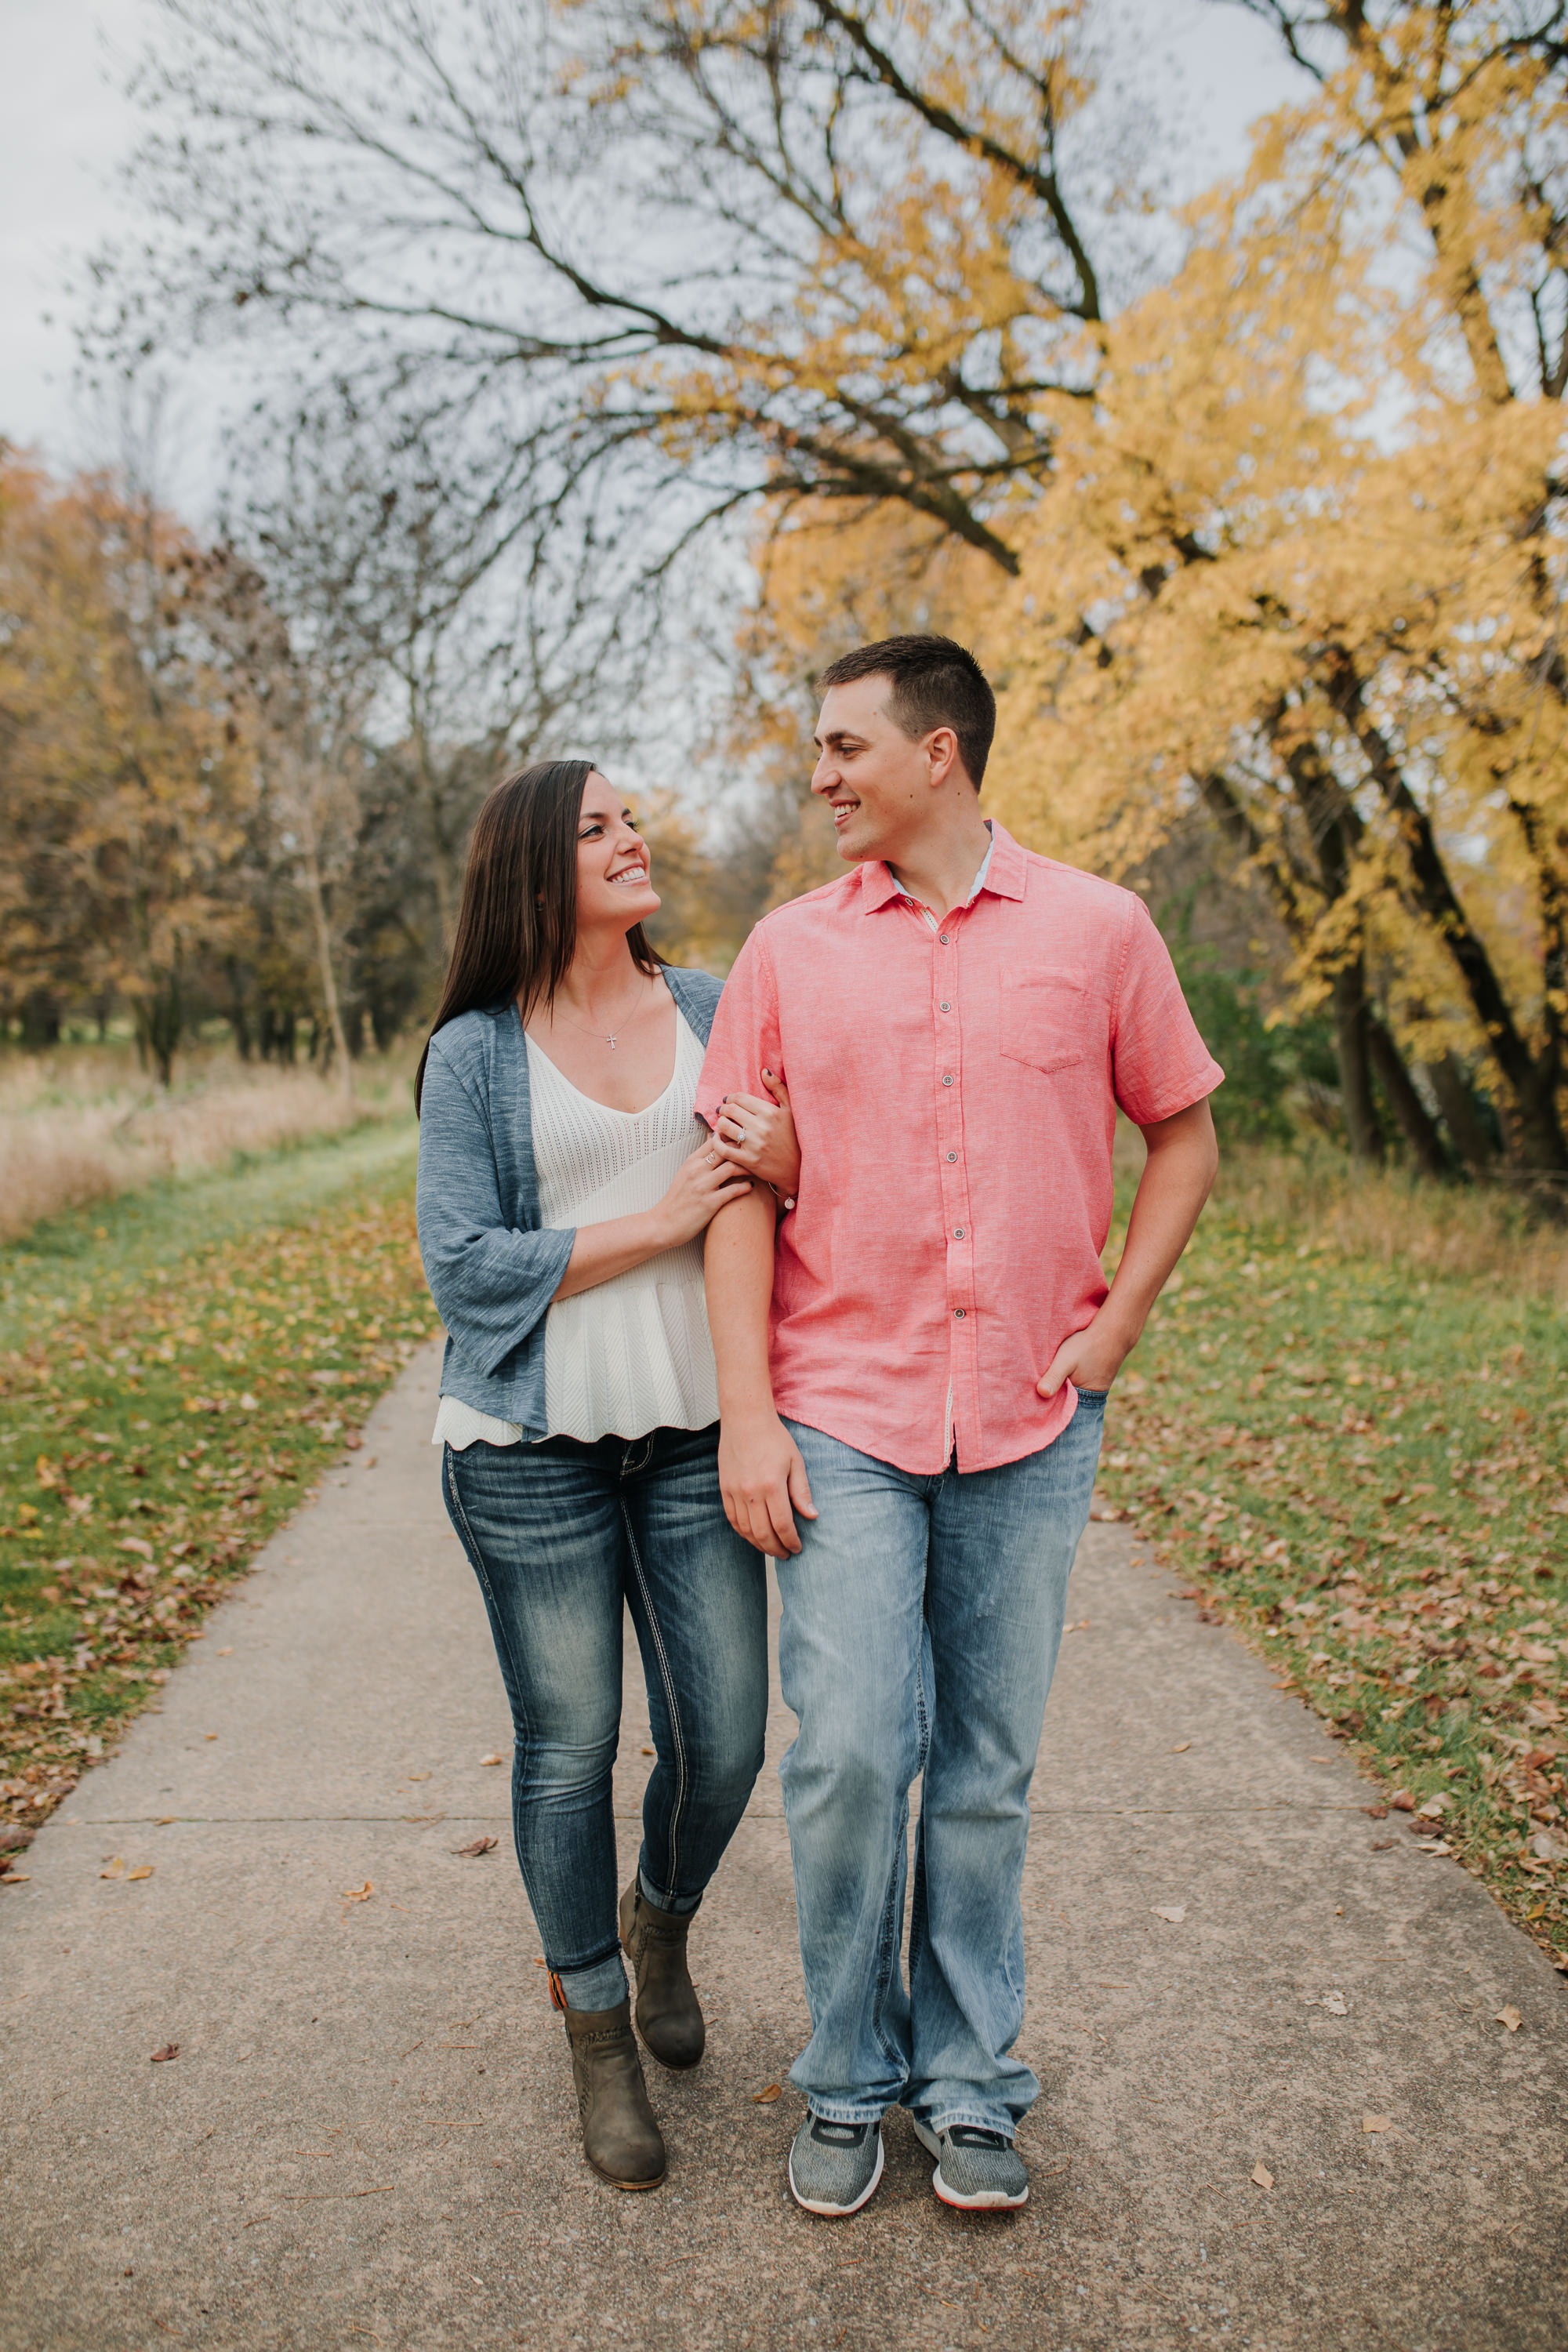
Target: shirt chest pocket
<point>1047,1019</point>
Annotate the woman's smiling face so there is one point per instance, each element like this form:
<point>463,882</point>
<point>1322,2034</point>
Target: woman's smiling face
<point>613,885</point>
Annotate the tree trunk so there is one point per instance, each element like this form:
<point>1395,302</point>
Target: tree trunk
<point>1352,1025</point>
<point>1418,1125</point>
<point>316,899</point>
<point>1461,1114</point>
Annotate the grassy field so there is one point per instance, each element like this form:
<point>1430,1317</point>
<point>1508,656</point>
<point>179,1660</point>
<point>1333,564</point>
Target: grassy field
<point>1347,1426</point>
<point>81,1124</point>
<point>175,1372</point>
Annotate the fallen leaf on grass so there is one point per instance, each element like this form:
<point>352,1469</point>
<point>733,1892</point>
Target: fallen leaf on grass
<point>170,2049</point>
<point>360,1894</point>
<point>1403,1801</point>
<point>1174,1912</point>
<point>476,1845</point>
<point>1261,2174</point>
<point>767,2095</point>
<point>1377,2122</point>
<point>1508,2015</point>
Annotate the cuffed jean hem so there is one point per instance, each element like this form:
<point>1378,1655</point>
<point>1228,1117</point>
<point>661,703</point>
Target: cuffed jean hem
<point>675,1906</point>
<point>846,2111</point>
<point>951,2118</point>
<point>600,1985</point>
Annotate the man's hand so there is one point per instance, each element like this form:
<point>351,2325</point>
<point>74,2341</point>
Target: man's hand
<point>760,1475</point>
<point>1091,1360</point>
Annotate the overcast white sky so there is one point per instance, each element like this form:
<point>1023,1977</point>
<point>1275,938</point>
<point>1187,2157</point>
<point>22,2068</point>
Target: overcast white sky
<point>65,127</point>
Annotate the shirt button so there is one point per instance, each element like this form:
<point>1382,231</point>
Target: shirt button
<point>958,1312</point>
<point>942,939</point>
<point>958,1233</point>
<point>947,1008</point>
<point>947,1081</point>
<point>952,1155</point>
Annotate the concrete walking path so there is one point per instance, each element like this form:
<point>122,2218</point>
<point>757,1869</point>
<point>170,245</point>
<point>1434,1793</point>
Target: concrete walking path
<point>368,2136</point>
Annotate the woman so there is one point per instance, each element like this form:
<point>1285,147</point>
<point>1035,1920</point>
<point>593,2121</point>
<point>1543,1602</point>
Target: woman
<point>565,1184</point>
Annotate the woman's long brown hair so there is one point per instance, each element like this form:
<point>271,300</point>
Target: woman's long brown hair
<point>517,927</point>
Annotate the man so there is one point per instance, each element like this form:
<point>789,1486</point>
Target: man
<point>915,1438</point>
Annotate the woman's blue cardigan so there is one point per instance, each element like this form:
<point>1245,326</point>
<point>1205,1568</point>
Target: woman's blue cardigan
<point>492,1269</point>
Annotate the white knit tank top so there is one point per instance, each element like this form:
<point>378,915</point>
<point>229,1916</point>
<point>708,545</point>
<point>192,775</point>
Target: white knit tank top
<point>631,1354</point>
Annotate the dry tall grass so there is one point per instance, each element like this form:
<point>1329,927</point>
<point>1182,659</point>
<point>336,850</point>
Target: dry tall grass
<point>1316,1195</point>
<point>79,1126</point>
<point>1398,1220</point>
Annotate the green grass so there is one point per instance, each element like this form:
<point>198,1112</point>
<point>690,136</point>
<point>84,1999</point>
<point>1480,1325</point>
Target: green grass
<point>1366,1470</point>
<point>175,1368</point>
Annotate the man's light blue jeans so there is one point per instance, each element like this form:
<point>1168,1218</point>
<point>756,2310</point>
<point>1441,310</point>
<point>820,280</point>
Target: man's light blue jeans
<point>922,1620</point>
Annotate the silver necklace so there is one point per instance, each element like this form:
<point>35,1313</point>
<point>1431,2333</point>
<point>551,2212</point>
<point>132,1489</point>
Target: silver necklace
<point>607,1036</point>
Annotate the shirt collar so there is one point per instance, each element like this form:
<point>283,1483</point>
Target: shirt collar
<point>1001,872</point>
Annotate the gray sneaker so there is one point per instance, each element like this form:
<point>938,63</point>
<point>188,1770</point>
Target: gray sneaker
<point>978,2171</point>
<point>834,2167</point>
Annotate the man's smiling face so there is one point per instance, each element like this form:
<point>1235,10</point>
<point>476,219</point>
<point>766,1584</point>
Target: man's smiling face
<point>874,779</point>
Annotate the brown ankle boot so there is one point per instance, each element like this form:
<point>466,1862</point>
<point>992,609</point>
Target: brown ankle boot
<point>668,2017</point>
<point>620,2137</point>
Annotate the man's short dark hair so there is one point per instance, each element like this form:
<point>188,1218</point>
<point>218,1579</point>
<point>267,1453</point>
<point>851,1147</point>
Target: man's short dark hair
<point>936,683</point>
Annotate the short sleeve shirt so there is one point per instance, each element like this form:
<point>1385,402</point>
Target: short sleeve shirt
<point>954,1090</point>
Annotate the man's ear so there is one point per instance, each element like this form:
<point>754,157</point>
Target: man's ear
<point>941,751</point>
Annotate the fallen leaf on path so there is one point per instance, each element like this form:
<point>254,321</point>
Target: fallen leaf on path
<point>476,1845</point>
<point>1181,1747</point>
<point>492,1759</point>
<point>1508,2015</point>
<point>116,1868</point>
<point>767,2095</point>
<point>1264,2177</point>
<point>229,1652</point>
<point>1376,1813</point>
<point>170,2049</point>
<point>360,1894</point>
<point>1377,2122</point>
<point>1336,2004</point>
<point>15,1878</point>
<point>648,1751</point>
<point>163,1820</point>
<point>142,1870</point>
<point>1174,1912</point>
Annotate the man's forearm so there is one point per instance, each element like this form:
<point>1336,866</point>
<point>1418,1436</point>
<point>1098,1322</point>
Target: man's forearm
<point>738,1268</point>
<point>1176,1182</point>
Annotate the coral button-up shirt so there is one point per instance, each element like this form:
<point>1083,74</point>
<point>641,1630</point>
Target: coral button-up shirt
<point>954,1086</point>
